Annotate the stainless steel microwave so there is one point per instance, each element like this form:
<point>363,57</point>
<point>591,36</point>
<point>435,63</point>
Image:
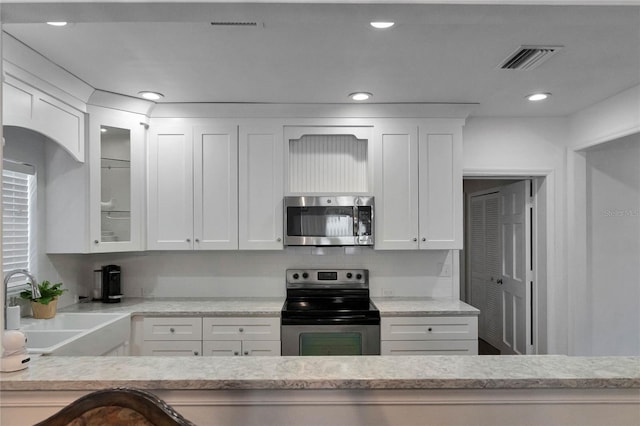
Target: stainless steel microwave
<point>343,220</point>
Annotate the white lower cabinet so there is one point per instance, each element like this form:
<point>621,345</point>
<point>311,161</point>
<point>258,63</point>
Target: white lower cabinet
<point>235,336</point>
<point>171,336</point>
<point>452,335</point>
<point>209,336</point>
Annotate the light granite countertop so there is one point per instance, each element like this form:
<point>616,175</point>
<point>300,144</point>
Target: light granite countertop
<point>364,372</point>
<point>422,306</point>
<point>266,307</point>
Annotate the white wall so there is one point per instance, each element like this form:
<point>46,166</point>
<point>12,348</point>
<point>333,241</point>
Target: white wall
<point>512,146</point>
<point>29,147</point>
<point>261,273</point>
<point>613,246</point>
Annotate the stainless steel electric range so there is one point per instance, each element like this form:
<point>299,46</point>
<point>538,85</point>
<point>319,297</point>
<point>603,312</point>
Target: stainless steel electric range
<point>328,312</point>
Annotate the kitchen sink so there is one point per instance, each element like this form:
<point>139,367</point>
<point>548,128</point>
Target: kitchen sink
<point>76,334</point>
<point>69,321</point>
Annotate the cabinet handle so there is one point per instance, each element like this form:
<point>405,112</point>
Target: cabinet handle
<point>241,329</point>
<point>173,330</point>
<point>499,281</point>
<point>236,353</point>
<point>246,352</point>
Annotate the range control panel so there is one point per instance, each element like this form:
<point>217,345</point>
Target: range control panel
<point>299,278</point>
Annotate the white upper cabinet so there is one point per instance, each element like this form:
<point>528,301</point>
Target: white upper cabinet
<point>261,186</point>
<point>440,175</point>
<point>418,185</point>
<point>192,198</point>
<point>117,179</point>
<point>98,206</point>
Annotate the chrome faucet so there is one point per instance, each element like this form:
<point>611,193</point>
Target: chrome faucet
<point>35,293</point>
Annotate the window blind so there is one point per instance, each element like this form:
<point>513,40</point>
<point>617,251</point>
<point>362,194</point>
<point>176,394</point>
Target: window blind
<point>18,189</point>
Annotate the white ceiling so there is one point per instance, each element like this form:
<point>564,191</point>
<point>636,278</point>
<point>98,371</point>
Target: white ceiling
<point>319,53</point>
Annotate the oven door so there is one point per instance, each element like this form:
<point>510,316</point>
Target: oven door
<point>339,339</point>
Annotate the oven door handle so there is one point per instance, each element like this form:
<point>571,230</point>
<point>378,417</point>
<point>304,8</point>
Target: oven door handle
<point>355,320</point>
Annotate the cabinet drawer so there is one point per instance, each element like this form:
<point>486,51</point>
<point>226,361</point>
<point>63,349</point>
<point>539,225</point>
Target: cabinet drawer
<point>429,328</point>
<point>241,328</point>
<point>429,347</point>
<point>172,328</point>
<point>171,348</point>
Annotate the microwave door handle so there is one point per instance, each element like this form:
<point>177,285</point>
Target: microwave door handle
<point>356,227</point>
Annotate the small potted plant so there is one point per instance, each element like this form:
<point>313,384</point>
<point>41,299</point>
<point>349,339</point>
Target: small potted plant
<point>45,306</point>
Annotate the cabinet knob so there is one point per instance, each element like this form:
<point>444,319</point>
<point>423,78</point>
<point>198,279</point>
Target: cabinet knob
<point>246,352</point>
<point>241,329</point>
<point>278,239</point>
<point>188,240</point>
<point>96,242</point>
<point>424,239</point>
<point>196,353</point>
<point>236,353</point>
<point>415,239</point>
<point>173,330</point>
<point>499,281</point>
<point>429,329</point>
<point>197,240</point>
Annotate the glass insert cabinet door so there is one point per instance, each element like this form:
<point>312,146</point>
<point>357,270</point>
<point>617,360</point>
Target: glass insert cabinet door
<point>117,181</point>
<point>115,184</point>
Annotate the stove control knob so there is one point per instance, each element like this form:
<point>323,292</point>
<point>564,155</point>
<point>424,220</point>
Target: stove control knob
<point>349,275</point>
<point>359,276</point>
<point>305,275</point>
<point>296,276</point>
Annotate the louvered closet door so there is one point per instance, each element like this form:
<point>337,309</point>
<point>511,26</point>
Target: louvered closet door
<point>485,266</point>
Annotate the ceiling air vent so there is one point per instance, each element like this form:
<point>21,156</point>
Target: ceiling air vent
<point>529,57</point>
<point>234,24</point>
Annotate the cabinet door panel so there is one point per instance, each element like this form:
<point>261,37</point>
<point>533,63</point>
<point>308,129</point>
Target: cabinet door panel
<point>396,188</point>
<point>117,179</point>
<point>170,208</point>
<point>215,163</point>
<point>260,348</point>
<point>260,187</point>
<point>222,348</point>
<point>440,154</point>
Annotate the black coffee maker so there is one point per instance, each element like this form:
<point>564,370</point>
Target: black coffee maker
<point>111,292</point>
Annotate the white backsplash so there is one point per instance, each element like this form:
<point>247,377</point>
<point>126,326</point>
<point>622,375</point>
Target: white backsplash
<point>261,274</point>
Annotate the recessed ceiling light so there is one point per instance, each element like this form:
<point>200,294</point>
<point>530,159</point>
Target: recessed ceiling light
<point>535,97</point>
<point>152,96</point>
<point>360,96</point>
<point>103,129</point>
<point>57,23</point>
<point>382,25</point>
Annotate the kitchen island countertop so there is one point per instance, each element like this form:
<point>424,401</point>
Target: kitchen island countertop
<point>364,372</point>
